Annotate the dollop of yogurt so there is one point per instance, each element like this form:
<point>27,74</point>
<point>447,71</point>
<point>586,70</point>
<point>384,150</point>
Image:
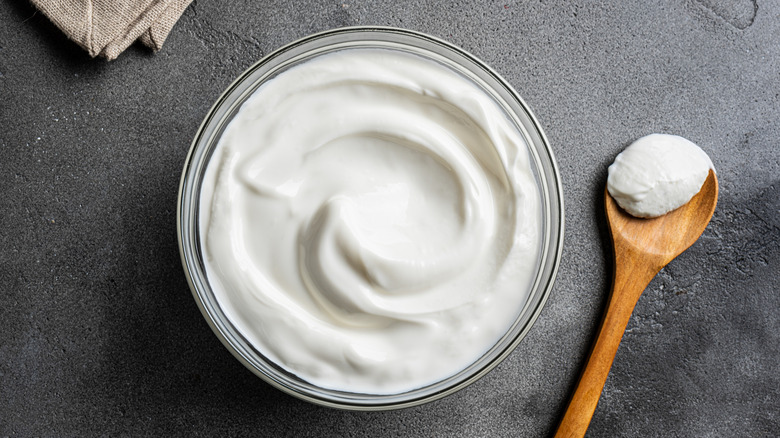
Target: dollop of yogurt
<point>657,174</point>
<point>370,221</point>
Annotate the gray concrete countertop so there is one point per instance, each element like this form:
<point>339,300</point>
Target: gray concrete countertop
<point>99,335</point>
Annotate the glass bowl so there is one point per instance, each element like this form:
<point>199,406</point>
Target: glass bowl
<point>542,161</point>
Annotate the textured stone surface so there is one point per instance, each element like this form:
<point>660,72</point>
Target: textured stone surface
<point>100,335</point>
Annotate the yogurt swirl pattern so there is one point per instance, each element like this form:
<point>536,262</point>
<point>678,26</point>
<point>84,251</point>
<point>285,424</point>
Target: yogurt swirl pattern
<point>370,221</point>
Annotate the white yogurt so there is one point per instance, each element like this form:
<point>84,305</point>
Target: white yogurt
<point>370,221</point>
<point>657,174</point>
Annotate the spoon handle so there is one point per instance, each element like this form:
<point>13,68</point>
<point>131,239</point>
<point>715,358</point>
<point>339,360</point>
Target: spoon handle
<point>631,277</point>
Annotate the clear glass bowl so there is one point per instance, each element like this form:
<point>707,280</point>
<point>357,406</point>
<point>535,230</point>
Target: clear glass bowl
<point>207,137</point>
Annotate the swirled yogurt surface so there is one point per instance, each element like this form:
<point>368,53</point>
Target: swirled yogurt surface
<point>657,174</point>
<point>370,221</point>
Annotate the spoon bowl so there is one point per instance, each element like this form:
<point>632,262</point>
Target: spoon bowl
<point>664,237</point>
<point>641,248</point>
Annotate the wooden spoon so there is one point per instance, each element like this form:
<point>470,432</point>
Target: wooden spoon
<point>642,247</point>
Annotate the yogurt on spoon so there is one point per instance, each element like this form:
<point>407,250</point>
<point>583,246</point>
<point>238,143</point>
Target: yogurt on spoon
<point>656,174</point>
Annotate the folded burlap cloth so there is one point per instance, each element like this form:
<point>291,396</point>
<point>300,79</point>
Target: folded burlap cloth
<point>107,27</point>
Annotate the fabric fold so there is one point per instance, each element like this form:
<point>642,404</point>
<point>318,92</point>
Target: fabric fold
<point>106,27</point>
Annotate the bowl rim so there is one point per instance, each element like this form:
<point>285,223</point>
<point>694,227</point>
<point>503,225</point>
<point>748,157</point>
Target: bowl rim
<point>552,204</point>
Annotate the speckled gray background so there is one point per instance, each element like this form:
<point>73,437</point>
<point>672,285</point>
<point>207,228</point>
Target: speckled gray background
<point>99,335</point>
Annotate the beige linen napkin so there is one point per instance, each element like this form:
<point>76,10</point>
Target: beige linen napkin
<point>107,27</point>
